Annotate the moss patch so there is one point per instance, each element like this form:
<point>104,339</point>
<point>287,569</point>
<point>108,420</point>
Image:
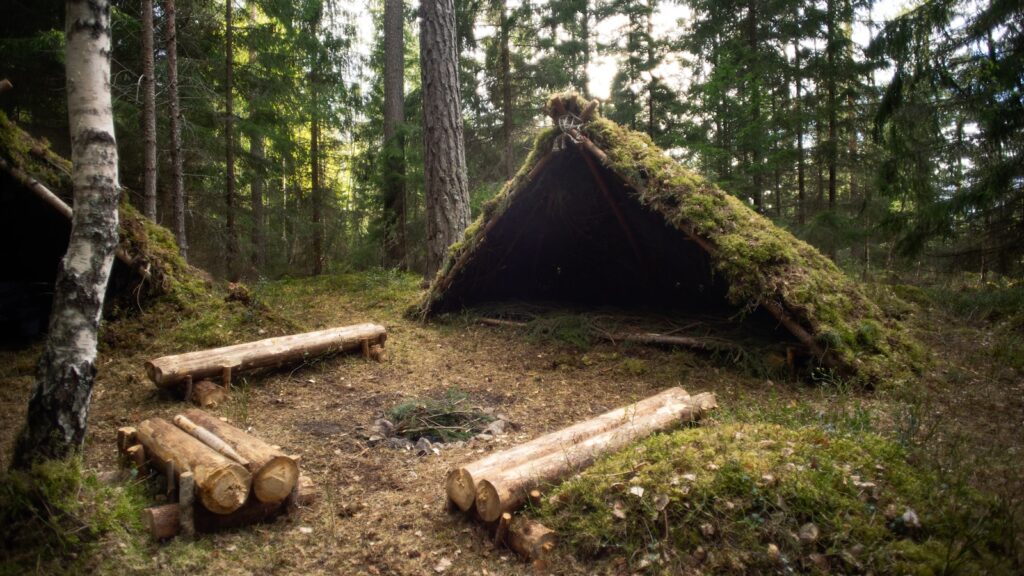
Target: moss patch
<point>759,498</point>
<point>56,516</point>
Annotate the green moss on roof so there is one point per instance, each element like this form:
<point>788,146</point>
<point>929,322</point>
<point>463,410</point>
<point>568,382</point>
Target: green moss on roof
<point>144,241</point>
<point>760,261</point>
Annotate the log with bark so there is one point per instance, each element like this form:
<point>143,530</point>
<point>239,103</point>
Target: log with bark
<point>505,488</point>
<point>222,484</point>
<point>461,483</point>
<point>169,371</point>
<point>274,474</point>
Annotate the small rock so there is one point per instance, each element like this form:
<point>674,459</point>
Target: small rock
<point>374,439</point>
<point>442,565</point>
<point>423,447</point>
<point>820,561</point>
<point>305,530</point>
<point>484,436</point>
<point>768,479</point>
<point>907,523</point>
<point>497,427</point>
<point>660,502</point>
<point>809,533</point>
<point>384,427</point>
<point>689,477</point>
<point>618,510</point>
<point>399,443</point>
<point>773,553</point>
<point>637,491</point>
<point>707,529</point>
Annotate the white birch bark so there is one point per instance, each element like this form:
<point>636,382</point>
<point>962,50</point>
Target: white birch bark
<point>59,407</point>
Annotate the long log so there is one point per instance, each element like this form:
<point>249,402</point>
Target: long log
<point>505,489</point>
<point>274,474</point>
<point>461,483</point>
<point>221,484</point>
<point>168,371</point>
<point>209,438</point>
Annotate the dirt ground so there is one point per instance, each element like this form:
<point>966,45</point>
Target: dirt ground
<point>382,510</point>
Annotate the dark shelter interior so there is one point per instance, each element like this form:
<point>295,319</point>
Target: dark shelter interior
<point>577,236</point>
<point>38,238</point>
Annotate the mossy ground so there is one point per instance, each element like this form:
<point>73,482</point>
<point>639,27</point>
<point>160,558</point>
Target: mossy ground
<point>382,509</point>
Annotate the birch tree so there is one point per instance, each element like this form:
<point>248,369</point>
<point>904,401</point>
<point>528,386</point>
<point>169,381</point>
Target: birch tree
<point>59,408</point>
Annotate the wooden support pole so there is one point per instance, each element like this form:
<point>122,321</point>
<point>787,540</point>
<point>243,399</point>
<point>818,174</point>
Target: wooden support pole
<point>187,503</point>
<point>188,388</point>
<point>126,438</point>
<point>137,456</point>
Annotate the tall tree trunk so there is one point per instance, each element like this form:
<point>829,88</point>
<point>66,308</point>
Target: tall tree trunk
<point>584,87</point>
<point>148,113</point>
<point>444,155</point>
<point>177,171</point>
<point>801,214</point>
<point>317,195</point>
<point>259,244</point>
<point>755,105</point>
<point>257,156</point>
<point>231,249</point>
<point>59,408</point>
<point>394,136</point>
<point>833,145</point>
<point>505,64</point>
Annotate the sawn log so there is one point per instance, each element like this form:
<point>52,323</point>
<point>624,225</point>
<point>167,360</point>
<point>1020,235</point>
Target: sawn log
<point>506,488</point>
<point>274,474</point>
<point>221,484</point>
<point>461,483</point>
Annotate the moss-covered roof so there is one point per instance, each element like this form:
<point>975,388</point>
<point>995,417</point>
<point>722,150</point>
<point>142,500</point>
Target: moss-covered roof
<point>157,263</point>
<point>762,264</point>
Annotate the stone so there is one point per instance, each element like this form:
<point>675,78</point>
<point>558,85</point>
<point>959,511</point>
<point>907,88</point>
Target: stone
<point>809,533</point>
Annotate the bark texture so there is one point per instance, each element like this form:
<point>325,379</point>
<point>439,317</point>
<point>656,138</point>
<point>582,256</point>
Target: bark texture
<point>446,187</point>
<point>259,244</point>
<point>148,113</point>
<point>394,138</point>
<point>59,407</point>
<point>231,247</point>
<point>177,173</point>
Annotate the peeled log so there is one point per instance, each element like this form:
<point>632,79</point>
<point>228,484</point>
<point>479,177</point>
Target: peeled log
<point>506,489</point>
<point>273,473</point>
<point>461,483</point>
<point>168,371</point>
<point>221,484</point>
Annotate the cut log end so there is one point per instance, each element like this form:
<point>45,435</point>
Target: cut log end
<point>162,522</point>
<point>226,489</point>
<point>461,488</point>
<point>530,539</point>
<point>276,479</point>
<point>488,501</point>
<point>208,394</point>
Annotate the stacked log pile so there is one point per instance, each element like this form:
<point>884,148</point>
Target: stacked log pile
<point>192,374</point>
<point>222,476</point>
<point>493,488</point>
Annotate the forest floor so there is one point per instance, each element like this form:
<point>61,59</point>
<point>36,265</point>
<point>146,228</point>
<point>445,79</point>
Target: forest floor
<point>382,510</point>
